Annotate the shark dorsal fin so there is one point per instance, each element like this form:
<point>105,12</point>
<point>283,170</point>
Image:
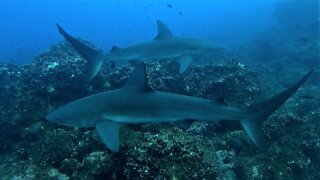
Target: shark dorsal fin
<point>163,31</point>
<point>114,48</point>
<point>138,79</point>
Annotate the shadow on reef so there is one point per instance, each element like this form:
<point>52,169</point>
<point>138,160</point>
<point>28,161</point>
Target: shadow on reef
<point>32,148</point>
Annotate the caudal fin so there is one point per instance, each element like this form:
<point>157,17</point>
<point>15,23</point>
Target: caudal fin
<point>258,113</point>
<point>92,56</point>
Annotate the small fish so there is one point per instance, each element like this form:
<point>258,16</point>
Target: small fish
<point>169,6</point>
<point>304,39</point>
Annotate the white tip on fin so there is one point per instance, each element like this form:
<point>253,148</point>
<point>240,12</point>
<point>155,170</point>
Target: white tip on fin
<point>109,133</point>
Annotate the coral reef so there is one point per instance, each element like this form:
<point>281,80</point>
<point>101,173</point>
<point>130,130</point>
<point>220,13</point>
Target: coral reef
<point>32,148</point>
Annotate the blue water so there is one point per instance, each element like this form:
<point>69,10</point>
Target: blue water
<point>270,45</point>
<point>28,27</point>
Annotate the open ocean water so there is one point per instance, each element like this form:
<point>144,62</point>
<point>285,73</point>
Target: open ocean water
<point>222,55</point>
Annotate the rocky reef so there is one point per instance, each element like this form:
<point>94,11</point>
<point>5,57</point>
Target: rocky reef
<point>32,148</point>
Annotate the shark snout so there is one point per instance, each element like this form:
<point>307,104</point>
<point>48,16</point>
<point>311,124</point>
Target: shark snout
<point>65,117</point>
<point>49,117</point>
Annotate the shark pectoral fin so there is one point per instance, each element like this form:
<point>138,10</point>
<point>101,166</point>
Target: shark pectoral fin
<point>119,63</point>
<point>109,133</point>
<point>93,68</point>
<point>184,62</point>
<point>218,123</point>
<point>253,129</point>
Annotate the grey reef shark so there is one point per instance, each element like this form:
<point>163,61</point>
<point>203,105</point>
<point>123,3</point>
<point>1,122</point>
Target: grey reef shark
<point>163,47</point>
<point>136,103</point>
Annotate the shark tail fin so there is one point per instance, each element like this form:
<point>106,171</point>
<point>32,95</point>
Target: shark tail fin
<point>258,113</point>
<point>92,56</point>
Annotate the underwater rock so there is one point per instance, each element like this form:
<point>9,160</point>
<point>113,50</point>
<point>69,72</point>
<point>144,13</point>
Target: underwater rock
<point>229,80</point>
<point>171,153</point>
<point>97,163</point>
<point>28,170</point>
<point>70,166</point>
<point>151,151</point>
<point>52,74</point>
<point>9,91</point>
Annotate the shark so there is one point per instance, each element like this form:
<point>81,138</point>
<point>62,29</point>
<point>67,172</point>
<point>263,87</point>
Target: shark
<point>163,47</point>
<point>135,103</point>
